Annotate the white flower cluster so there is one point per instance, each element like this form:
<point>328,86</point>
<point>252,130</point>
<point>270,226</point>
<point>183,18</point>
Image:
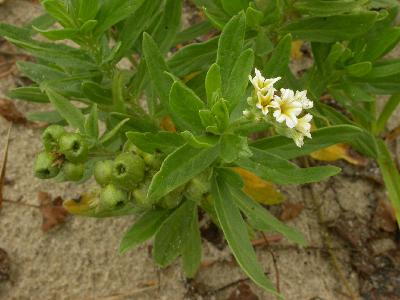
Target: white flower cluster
<point>288,106</point>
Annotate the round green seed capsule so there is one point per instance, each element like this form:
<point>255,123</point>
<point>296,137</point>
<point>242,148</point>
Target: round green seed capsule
<point>152,160</point>
<point>128,169</point>
<point>51,136</point>
<point>74,147</point>
<point>103,172</point>
<point>140,195</point>
<point>111,196</point>
<point>73,172</point>
<point>172,199</point>
<point>45,166</point>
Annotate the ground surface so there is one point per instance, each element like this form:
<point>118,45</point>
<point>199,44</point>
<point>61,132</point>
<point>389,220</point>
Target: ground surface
<point>348,250</point>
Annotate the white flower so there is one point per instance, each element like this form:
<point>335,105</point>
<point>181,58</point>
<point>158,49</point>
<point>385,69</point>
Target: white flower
<point>298,138</point>
<point>287,108</point>
<point>304,126</point>
<point>301,96</point>
<point>262,84</point>
<point>264,100</point>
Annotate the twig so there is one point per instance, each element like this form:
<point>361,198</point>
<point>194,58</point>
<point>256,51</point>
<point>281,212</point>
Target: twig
<point>4,165</point>
<point>275,263</point>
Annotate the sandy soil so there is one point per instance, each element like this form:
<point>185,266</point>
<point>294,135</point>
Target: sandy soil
<point>79,260</point>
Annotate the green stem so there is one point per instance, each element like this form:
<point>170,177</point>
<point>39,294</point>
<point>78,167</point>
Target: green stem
<point>391,176</point>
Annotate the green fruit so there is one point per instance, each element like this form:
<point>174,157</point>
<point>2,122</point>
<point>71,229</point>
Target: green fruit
<point>111,196</point>
<point>73,172</point>
<point>51,136</point>
<point>45,166</point>
<point>151,160</point>
<point>128,169</point>
<point>198,187</point>
<point>140,195</point>
<point>130,147</point>
<point>74,147</point>
<point>103,172</point>
<point>172,199</point>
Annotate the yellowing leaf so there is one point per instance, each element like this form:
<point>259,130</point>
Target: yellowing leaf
<point>339,151</point>
<point>82,206</point>
<point>167,124</point>
<point>260,190</point>
<point>296,50</point>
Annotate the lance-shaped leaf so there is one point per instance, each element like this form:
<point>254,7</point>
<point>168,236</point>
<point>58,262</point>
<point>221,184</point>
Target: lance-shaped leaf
<point>67,110</point>
<point>185,106</point>
<point>173,233</point>
<point>143,229</point>
<point>179,167</point>
<point>230,46</point>
<point>163,141</point>
<point>281,171</point>
<point>236,233</point>
<point>279,60</point>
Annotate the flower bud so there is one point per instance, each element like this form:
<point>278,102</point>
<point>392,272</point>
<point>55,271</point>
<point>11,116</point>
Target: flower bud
<point>198,186</point>
<point>103,172</point>
<point>128,169</point>
<point>74,147</point>
<point>73,172</point>
<point>111,196</point>
<point>51,136</point>
<point>45,166</point>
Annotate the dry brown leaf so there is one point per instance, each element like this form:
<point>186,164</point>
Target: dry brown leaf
<point>4,265</point>
<point>260,190</point>
<point>9,111</point>
<point>243,292</point>
<point>291,210</point>
<point>384,217</point>
<point>340,151</point>
<point>3,167</point>
<point>53,211</point>
<point>167,124</point>
<point>296,50</point>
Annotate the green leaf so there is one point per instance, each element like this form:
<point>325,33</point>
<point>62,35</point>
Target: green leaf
<point>236,234</point>
<point>279,60</point>
<point>230,46</point>
<point>157,66</point>
<point>112,133</point>
<point>391,177</point>
<point>28,93</point>
<point>39,73</point>
<point>221,114</point>
<point>193,32</point>
<point>381,43</point>
<point>67,110</point>
<point>254,17</point>
<point>275,169</point>
<point>321,138</point>
<point>262,218</point>
<point>387,111</point>
<point>114,11</point>
<point>163,141</point>
<point>58,11</point>
<point>165,31</point>
<point>213,82</point>
<point>233,147</point>
<point>51,117</point>
<point>185,106</point>
<point>202,141</point>
<point>143,229</point>
<point>331,29</point>
<point>385,69</point>
<point>170,238</point>
<point>92,123</point>
<point>328,8</point>
<point>359,69</point>
<point>135,24</point>
<point>58,34</point>
<point>239,79</point>
<point>193,58</point>
<point>179,167</point>
<point>191,252</point>
<point>96,93</point>
<point>232,7</point>
<point>88,9</point>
